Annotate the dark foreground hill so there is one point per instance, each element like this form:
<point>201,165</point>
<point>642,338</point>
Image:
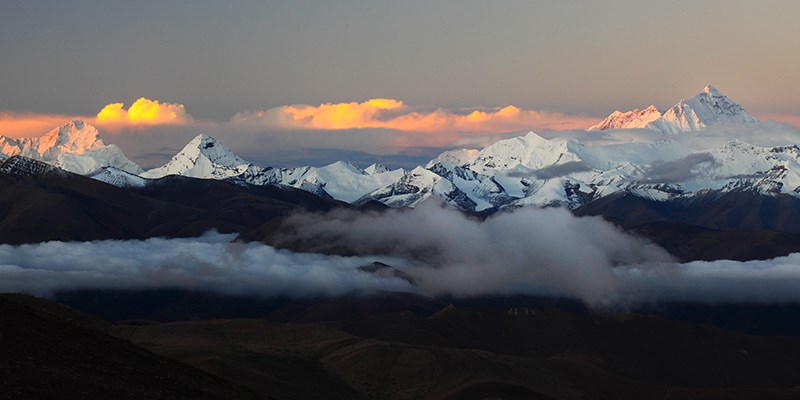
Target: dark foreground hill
<point>45,353</point>
<point>406,347</point>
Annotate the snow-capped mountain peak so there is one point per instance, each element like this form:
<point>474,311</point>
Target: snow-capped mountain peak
<point>711,90</point>
<point>75,146</point>
<point>531,151</point>
<point>202,157</point>
<point>454,158</point>
<point>75,137</point>
<point>631,119</point>
<point>8,147</point>
<point>344,167</point>
<point>722,106</point>
<point>709,107</point>
<point>376,168</point>
<point>205,145</point>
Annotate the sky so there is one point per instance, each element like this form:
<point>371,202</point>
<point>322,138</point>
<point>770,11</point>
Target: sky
<point>288,82</point>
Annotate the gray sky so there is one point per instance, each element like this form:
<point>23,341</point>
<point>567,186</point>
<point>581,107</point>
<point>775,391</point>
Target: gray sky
<point>219,58</point>
<point>584,58</point>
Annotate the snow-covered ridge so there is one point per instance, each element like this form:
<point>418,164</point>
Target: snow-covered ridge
<point>520,171</point>
<point>24,166</point>
<point>630,119</point>
<point>119,178</point>
<point>454,158</point>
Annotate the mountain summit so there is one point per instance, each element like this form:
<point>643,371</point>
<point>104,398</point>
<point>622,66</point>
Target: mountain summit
<point>709,107</point>
<point>75,146</point>
<point>202,157</point>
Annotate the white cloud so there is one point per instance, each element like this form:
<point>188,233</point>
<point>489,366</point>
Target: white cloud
<point>532,251</point>
<point>209,263</point>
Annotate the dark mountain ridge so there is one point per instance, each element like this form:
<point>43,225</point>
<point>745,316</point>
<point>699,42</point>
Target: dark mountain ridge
<point>41,204</point>
<point>57,205</point>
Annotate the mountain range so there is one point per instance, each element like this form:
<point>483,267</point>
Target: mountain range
<point>520,171</point>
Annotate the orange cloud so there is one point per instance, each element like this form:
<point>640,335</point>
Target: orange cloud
<point>19,125</point>
<point>144,111</point>
<point>396,115</point>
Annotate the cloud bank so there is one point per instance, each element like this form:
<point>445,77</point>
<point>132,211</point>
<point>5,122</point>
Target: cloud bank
<point>680,169</point>
<point>209,263</point>
<point>789,119</point>
<point>19,125</point>
<point>397,115</point>
<point>531,251</point>
<point>544,252</point>
<point>381,127</point>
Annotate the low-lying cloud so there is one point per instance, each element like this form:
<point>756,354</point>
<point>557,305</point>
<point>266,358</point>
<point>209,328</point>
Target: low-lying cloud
<point>552,171</point>
<point>543,252</point>
<point>210,263</point>
<point>679,170</point>
<point>531,251</point>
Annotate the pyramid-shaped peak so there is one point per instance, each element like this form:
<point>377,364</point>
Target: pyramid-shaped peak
<point>534,137</point>
<point>718,103</point>
<point>709,107</point>
<point>203,141</point>
<point>203,157</point>
<point>75,136</point>
<point>711,94</point>
<point>212,149</point>
<point>710,89</point>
